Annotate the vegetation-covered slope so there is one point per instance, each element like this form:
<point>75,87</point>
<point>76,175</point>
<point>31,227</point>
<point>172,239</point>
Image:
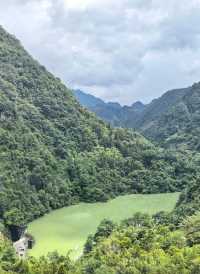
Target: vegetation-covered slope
<point>142,246</point>
<point>189,201</point>
<point>179,127</point>
<point>158,107</point>
<point>54,153</point>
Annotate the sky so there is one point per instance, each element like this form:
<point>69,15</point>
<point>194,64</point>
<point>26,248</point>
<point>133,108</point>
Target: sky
<point>118,50</point>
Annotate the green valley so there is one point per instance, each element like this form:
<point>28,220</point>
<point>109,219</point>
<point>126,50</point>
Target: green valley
<point>54,153</point>
<point>78,183</point>
<point>68,228</point>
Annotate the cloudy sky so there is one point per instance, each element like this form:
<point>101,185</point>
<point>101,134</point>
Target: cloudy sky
<point>119,50</point>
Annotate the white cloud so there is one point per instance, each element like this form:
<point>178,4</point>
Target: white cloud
<point>121,50</point>
<point>84,4</point>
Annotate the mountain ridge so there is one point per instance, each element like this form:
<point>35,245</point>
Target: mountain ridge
<point>165,120</point>
<point>111,112</point>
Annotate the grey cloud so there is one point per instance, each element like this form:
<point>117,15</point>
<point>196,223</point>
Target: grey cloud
<point>120,50</point>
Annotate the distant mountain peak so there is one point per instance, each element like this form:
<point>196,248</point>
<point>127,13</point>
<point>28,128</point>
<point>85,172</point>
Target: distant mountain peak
<point>138,103</point>
<point>138,106</point>
<point>87,100</point>
<point>114,104</point>
<point>111,112</point>
<point>162,119</point>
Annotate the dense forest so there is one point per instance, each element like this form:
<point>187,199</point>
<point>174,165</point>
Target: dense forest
<point>55,153</point>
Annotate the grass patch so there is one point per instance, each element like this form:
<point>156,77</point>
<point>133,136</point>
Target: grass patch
<point>67,228</point>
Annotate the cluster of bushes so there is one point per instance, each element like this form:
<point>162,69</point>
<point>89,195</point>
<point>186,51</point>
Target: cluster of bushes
<point>137,245</point>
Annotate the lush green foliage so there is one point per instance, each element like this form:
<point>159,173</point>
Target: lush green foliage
<point>136,246</point>
<point>180,126</point>
<point>54,153</point>
<point>151,249</point>
<point>189,201</point>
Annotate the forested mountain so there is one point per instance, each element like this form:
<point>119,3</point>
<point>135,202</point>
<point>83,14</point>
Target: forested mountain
<point>139,116</point>
<point>158,107</point>
<point>173,120</point>
<point>54,153</point>
<point>111,112</point>
<point>179,127</point>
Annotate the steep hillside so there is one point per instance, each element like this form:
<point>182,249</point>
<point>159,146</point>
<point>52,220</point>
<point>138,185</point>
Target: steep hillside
<point>179,127</point>
<point>157,108</point>
<point>54,153</point>
<point>88,100</point>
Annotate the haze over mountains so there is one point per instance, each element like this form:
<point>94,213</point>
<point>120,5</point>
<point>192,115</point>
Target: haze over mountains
<point>169,120</point>
<point>111,112</point>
